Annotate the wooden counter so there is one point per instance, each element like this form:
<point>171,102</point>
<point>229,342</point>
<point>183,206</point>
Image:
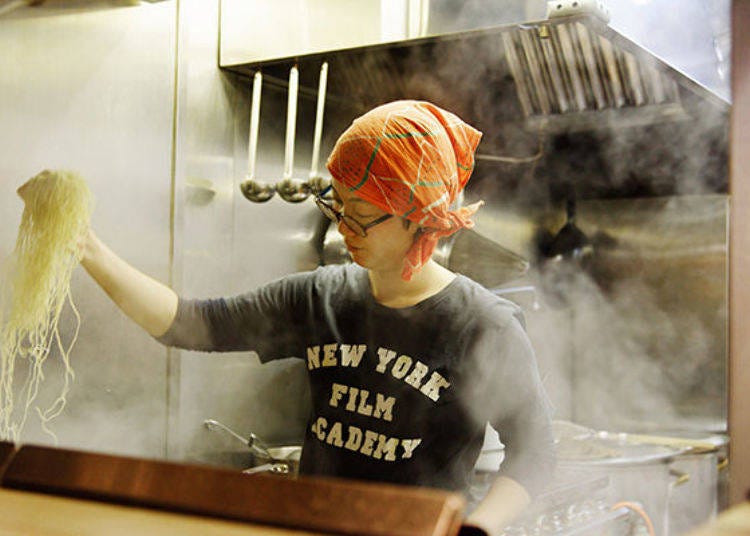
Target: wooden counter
<point>91,481</point>
<point>732,522</point>
<point>26,513</point>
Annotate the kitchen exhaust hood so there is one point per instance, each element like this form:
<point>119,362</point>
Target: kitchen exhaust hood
<point>579,66</point>
<point>567,73</point>
<point>567,105</point>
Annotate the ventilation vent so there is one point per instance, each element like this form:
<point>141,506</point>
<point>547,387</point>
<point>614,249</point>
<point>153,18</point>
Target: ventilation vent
<point>564,68</point>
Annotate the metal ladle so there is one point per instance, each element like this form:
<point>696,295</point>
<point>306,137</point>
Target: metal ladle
<point>316,182</point>
<point>290,189</point>
<point>294,190</point>
<point>255,191</point>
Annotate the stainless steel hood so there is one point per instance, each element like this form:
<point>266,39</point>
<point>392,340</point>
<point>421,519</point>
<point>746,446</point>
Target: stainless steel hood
<point>568,107</point>
<point>566,72</point>
<point>578,66</point>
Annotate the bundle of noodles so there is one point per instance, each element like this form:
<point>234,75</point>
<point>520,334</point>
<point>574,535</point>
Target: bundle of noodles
<point>36,287</point>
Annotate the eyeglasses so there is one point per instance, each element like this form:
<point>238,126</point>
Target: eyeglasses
<point>336,216</point>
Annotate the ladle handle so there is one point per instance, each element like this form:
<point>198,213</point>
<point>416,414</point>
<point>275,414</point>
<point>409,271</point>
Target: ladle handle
<point>291,122</point>
<point>322,83</point>
<point>252,145</point>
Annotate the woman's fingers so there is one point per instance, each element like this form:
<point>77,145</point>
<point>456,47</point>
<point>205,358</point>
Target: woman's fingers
<point>22,190</point>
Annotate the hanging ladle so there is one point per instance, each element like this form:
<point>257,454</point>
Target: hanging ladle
<point>255,191</point>
<point>290,189</point>
<point>316,182</point>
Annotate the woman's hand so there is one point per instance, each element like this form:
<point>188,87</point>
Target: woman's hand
<point>151,304</point>
<point>21,191</point>
<point>85,245</point>
<point>504,502</point>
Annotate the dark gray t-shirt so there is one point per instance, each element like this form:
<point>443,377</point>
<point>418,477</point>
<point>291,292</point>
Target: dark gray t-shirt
<point>398,395</point>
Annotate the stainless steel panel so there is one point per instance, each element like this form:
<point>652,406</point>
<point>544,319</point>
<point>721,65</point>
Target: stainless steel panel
<point>533,66</point>
<point>590,58</point>
<point>92,91</point>
<point>572,63</point>
<point>517,71</point>
<point>691,35</point>
<point>608,56</point>
<point>227,245</point>
<point>555,74</point>
<point>257,30</point>
<point>638,340</point>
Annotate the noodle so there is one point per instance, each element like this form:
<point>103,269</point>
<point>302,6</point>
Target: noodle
<point>36,286</point>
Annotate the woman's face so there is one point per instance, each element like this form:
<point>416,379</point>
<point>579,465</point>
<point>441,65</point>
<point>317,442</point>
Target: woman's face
<point>386,244</point>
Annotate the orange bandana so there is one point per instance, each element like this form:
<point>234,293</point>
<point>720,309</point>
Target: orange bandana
<point>410,158</point>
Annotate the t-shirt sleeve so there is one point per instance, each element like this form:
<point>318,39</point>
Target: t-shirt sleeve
<point>511,396</point>
<point>266,320</point>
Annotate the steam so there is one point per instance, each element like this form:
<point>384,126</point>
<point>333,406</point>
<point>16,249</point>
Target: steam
<point>616,355</point>
<point>619,383</point>
<point>637,341</point>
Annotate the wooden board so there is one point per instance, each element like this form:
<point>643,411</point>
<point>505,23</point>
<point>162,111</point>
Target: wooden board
<point>7,450</point>
<point>325,505</point>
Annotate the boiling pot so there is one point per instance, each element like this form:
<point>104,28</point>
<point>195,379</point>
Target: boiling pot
<point>704,458</point>
<point>638,473</point>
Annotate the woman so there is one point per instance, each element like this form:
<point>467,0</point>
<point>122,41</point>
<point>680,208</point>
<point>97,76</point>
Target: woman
<point>407,361</point>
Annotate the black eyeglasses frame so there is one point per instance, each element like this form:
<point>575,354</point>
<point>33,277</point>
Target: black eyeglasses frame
<point>336,215</point>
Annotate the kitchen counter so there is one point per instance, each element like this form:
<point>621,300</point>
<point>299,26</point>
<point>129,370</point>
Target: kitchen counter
<point>93,493</point>
<point>732,522</point>
<point>23,512</point>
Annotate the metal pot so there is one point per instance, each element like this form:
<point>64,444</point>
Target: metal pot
<point>638,473</point>
<point>703,457</point>
<point>280,460</point>
<point>697,502</point>
<point>258,457</point>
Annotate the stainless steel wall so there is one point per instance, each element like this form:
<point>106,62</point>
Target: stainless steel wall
<point>227,245</point>
<point>636,339</point>
<point>141,109</point>
<point>256,30</point>
<point>91,90</point>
